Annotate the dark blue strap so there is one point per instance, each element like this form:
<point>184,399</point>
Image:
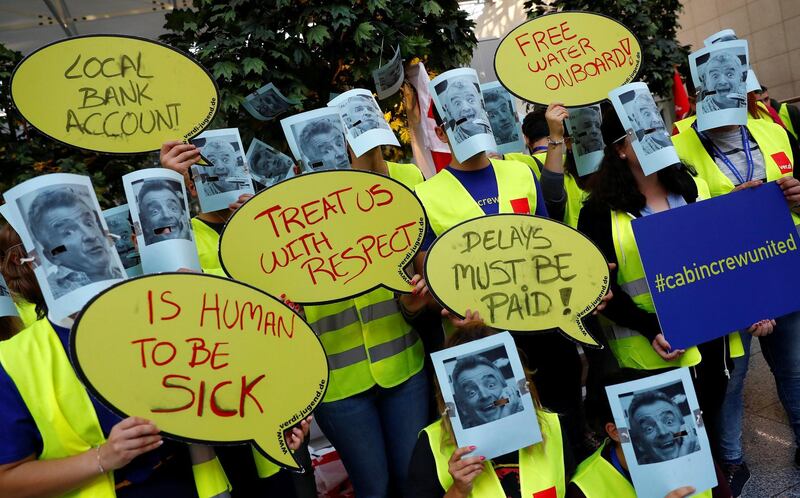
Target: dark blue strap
<point>724,158</point>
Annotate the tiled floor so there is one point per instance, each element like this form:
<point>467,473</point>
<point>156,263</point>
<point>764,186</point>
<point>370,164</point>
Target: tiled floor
<point>768,439</point>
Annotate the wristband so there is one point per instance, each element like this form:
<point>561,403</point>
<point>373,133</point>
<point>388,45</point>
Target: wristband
<point>550,141</point>
<point>99,465</point>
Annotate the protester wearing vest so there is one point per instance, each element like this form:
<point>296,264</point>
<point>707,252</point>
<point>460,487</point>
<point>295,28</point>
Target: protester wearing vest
<point>620,193</point>
<point>731,158</point>
<point>19,278</point>
<point>534,129</point>
<point>788,114</point>
<point>247,467</point>
<point>605,472</point>
<point>55,440</point>
<point>439,468</point>
<point>378,395</point>
<point>560,180</point>
<point>479,186</point>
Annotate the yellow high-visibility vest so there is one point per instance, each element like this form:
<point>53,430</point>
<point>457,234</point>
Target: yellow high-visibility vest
<point>65,417</point>
<point>448,203</point>
<point>597,478</point>
<point>366,339</point>
<point>541,466</point>
<point>632,349</point>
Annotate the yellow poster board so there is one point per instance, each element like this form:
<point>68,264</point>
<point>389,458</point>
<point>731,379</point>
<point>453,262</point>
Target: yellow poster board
<point>326,236</point>
<point>574,58</point>
<point>205,358</point>
<point>114,94</point>
<point>522,273</point>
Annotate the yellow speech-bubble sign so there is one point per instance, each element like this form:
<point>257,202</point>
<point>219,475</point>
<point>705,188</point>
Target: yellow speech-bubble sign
<point>206,358</point>
<point>114,94</point>
<point>575,58</point>
<point>325,236</point>
<point>520,272</point>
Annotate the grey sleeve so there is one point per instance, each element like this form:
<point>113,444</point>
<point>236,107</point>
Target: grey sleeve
<point>555,197</point>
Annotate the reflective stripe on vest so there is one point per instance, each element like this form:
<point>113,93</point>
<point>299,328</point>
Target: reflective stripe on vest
<point>206,239</point>
<point>541,466</point>
<point>367,342</point>
<point>366,338</point>
<point>783,112</point>
<point>631,348</point>
<point>448,203</point>
<point>59,404</point>
<point>597,478</point>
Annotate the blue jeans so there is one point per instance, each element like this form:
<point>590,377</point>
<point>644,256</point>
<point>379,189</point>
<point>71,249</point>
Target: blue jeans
<point>729,420</point>
<point>781,350</point>
<point>375,433</point>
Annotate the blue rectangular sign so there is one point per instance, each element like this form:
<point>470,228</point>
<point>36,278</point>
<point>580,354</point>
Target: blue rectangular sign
<point>720,265</point>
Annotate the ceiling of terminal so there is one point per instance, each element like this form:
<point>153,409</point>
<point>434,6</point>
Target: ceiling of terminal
<point>26,25</point>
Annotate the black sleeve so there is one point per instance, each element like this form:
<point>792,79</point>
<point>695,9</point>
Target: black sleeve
<point>795,152</point>
<point>555,196</point>
<point>794,117</point>
<point>569,456</point>
<point>595,222</point>
<point>423,482</point>
<point>573,491</point>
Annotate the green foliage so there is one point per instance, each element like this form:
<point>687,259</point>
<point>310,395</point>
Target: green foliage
<point>654,22</point>
<point>25,153</point>
<point>312,48</point>
<point>308,48</point>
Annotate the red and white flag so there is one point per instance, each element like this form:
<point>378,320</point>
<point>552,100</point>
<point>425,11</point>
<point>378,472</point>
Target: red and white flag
<point>679,96</point>
<point>430,153</point>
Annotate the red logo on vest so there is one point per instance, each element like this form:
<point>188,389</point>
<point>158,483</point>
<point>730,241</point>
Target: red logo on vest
<point>783,162</point>
<point>547,493</point>
<point>522,206</point>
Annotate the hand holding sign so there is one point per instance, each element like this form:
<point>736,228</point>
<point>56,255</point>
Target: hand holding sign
<point>114,94</point>
<point>205,358</point>
<point>571,57</point>
<point>325,236</point>
<point>521,273</point>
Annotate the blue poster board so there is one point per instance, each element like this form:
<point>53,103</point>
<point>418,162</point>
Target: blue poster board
<point>720,265</point>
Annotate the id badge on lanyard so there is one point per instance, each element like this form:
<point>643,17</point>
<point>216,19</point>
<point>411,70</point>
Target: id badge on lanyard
<point>724,158</point>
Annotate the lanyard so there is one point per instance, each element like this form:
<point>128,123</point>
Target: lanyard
<point>539,148</point>
<point>724,158</point>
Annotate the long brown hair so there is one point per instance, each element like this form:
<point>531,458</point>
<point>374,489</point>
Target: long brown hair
<point>19,276</point>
